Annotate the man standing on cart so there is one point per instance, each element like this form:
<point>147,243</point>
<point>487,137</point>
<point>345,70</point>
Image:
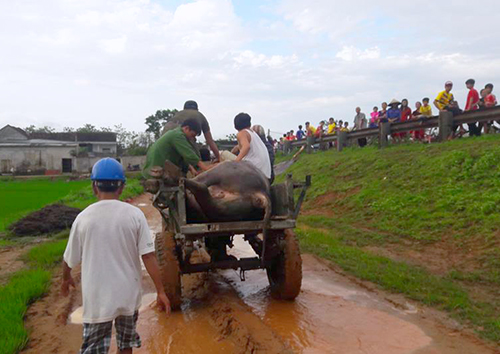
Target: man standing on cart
<point>191,111</point>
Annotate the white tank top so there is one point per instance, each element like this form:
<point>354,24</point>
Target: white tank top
<point>258,154</point>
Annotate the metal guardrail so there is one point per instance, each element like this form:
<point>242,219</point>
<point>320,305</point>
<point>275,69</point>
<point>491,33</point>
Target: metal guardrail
<point>445,122</point>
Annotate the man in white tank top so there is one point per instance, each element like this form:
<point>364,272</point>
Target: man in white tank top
<point>251,147</point>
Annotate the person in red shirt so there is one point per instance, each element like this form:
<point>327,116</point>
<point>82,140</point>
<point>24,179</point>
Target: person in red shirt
<point>319,130</point>
<point>405,115</point>
<point>416,115</point>
<point>490,100</point>
<point>472,105</point>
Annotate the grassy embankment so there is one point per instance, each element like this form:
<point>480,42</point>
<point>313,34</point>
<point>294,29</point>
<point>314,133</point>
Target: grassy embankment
<point>27,285</point>
<point>421,220</point>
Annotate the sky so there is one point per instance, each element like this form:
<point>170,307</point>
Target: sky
<point>66,63</point>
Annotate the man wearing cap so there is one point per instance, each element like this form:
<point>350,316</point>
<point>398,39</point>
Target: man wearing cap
<point>176,146</point>
<point>109,238</point>
<point>191,111</point>
<point>445,101</point>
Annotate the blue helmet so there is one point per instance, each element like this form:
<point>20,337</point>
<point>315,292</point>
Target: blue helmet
<point>107,169</point>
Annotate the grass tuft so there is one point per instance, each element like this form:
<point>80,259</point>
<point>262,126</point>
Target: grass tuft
<point>23,288</point>
<point>47,254</point>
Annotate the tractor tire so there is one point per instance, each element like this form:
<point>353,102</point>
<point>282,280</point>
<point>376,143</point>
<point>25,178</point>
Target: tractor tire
<point>285,271</point>
<point>169,268</point>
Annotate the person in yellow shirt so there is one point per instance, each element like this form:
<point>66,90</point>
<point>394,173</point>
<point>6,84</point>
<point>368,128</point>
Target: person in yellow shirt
<point>445,101</point>
<point>445,98</point>
<point>310,130</point>
<point>331,126</point>
<point>426,109</point>
<point>345,128</point>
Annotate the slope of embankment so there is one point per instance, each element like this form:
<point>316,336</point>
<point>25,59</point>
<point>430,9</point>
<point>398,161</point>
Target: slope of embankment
<point>421,220</point>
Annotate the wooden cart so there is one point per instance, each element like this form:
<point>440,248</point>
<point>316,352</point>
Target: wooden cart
<point>275,245</point>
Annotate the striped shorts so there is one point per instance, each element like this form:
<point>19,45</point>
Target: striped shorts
<point>97,336</point>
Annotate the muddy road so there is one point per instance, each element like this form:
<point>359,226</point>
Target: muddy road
<point>221,314</point>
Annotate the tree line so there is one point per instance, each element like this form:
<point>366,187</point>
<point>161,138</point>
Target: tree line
<point>128,142</point>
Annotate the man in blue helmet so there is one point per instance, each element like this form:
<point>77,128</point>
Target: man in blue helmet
<point>109,238</point>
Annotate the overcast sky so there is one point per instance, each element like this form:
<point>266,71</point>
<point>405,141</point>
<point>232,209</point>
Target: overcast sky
<point>67,63</point>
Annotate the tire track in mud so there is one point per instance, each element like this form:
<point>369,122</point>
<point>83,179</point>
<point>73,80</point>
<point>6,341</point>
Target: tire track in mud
<point>235,321</point>
<point>212,310</point>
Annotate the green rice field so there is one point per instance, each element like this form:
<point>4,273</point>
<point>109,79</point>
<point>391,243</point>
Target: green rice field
<point>19,197</point>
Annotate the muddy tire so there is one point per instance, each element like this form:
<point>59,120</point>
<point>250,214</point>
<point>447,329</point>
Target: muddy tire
<point>285,272</point>
<point>169,267</point>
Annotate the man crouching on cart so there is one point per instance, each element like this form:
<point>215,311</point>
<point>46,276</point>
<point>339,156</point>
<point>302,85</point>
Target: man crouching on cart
<point>175,146</point>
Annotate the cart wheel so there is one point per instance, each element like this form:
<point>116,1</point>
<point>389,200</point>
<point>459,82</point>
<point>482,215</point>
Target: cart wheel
<point>169,267</point>
<point>285,272</point>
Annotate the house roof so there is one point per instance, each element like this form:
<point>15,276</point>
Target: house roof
<point>79,137</point>
<point>19,130</point>
<point>65,137</point>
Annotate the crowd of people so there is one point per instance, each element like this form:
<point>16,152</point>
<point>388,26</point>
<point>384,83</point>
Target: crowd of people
<point>400,111</point>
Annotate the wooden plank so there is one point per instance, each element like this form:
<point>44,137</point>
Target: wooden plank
<point>234,227</point>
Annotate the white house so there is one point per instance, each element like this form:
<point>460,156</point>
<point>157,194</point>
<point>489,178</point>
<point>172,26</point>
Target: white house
<point>51,153</point>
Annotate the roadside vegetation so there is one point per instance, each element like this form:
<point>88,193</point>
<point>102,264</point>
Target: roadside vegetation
<point>421,220</point>
<point>25,287</point>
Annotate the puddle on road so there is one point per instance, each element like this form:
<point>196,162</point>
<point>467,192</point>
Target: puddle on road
<point>327,317</point>
<point>188,331</point>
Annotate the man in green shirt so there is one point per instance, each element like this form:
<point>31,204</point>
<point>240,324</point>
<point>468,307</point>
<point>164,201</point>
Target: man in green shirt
<point>191,111</point>
<point>176,147</point>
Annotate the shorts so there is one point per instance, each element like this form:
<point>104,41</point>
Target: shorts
<point>97,336</point>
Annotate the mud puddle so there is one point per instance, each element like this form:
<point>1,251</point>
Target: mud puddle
<point>331,315</point>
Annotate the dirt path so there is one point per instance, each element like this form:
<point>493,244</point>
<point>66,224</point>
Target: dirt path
<point>10,261</point>
<point>221,314</point>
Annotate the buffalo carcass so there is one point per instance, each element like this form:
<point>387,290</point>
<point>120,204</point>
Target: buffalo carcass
<point>231,191</point>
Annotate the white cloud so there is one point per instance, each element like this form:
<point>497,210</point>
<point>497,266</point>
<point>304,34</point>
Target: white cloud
<point>349,53</point>
<point>114,45</point>
<point>250,58</point>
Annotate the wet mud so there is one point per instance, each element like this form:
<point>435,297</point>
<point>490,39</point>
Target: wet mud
<point>222,314</point>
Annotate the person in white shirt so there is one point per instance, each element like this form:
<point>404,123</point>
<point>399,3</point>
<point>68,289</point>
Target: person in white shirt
<point>250,146</point>
<point>109,238</point>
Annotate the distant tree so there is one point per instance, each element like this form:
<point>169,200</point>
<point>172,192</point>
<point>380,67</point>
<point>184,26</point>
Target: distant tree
<point>156,122</point>
<point>139,144</point>
<point>124,138</point>
<point>107,129</point>
<point>68,130</point>
<point>33,129</point>
<point>87,128</point>
<point>230,140</point>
